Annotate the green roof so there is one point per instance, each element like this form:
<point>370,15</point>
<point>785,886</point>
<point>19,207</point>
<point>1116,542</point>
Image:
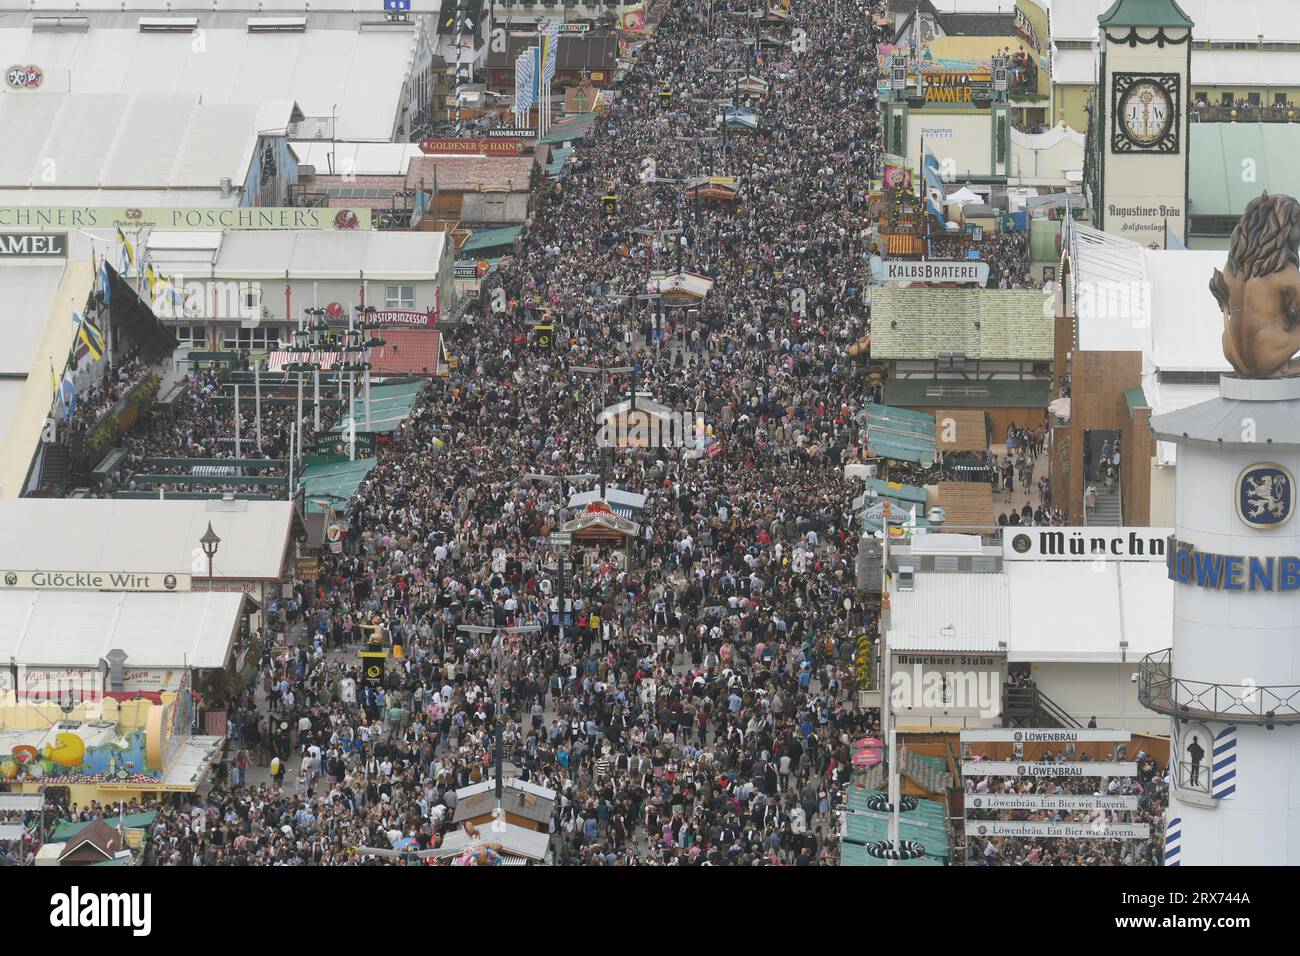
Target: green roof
<point>65,830</point>
<point>927,825</point>
<point>1136,398</point>
<point>337,481</point>
<point>571,127</point>
<point>900,434</point>
<point>390,404</point>
<point>919,323</point>
<point>1219,151</point>
<point>1145,13</point>
<point>896,491</point>
<point>490,238</point>
<point>986,393</point>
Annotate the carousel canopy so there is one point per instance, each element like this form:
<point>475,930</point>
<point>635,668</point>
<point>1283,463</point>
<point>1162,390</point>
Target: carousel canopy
<point>598,522</point>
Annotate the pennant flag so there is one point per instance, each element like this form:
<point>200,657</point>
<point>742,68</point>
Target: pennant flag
<point>151,276</point>
<point>105,274</point>
<point>550,49</point>
<point>90,336</point>
<point>128,253</point>
<point>68,395</point>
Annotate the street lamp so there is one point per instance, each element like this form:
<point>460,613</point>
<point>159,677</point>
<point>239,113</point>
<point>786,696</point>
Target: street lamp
<point>210,543</point>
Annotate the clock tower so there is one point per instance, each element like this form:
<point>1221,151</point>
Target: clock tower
<point>1138,148</point>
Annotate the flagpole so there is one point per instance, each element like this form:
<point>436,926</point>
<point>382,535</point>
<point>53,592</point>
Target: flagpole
<point>257,389</point>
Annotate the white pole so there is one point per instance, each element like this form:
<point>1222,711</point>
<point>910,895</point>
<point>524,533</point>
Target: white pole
<point>352,416</point>
<point>367,385</point>
<point>299,418</point>
<point>257,399</point>
<point>292,433</point>
<point>316,395</point>
<point>886,689</point>
<point>239,446</point>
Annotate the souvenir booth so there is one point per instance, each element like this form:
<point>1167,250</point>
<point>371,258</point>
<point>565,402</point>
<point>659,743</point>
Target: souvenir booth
<point>600,536</point>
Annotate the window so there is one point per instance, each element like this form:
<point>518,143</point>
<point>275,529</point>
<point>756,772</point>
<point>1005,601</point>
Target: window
<point>190,336</point>
<point>1279,99</point>
<point>261,337</point>
<point>1252,99</point>
<point>399,297</point>
<point>1225,99</point>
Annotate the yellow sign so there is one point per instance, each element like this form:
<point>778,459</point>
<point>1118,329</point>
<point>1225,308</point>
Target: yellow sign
<point>127,218</point>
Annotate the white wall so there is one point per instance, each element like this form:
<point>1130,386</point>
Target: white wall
<point>966,141</point>
<point>1104,691</point>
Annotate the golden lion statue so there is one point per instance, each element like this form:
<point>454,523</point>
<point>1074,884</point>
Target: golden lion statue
<point>1259,290</point>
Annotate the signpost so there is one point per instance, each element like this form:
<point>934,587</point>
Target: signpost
<point>560,538</point>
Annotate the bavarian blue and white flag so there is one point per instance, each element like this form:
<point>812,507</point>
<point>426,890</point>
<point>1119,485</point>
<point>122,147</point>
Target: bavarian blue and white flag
<point>525,83</point>
<point>550,50</point>
<point>1223,776</point>
<point>1174,842</point>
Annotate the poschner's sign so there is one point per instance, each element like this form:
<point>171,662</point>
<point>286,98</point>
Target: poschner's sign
<point>900,270</point>
<point>95,581</point>
<point>1085,544</point>
<point>33,245</point>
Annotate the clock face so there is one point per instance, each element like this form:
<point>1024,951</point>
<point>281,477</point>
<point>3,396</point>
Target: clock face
<point>1145,113</point>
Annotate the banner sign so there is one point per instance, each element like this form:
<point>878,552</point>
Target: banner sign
<point>464,270</point>
<point>1051,735</point>
<point>1074,831</point>
<point>899,270</point>
<point>511,132</point>
<point>95,581</point>
<point>372,667</point>
<point>471,147</point>
<point>214,218</point>
<point>334,447</point>
<point>1089,543</point>
<point>1047,801</point>
<point>403,318</point>
<point>33,245</point>
<point>955,87</point>
<point>1017,768</point>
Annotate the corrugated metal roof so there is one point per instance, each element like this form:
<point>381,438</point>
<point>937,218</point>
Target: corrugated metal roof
<point>955,611</point>
<point>490,238</point>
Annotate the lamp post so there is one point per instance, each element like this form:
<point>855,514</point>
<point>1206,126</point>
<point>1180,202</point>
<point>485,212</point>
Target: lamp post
<point>210,543</point>
<point>615,370</point>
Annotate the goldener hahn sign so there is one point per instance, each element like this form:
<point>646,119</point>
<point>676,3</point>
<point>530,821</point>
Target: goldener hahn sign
<point>900,270</point>
<point>94,581</point>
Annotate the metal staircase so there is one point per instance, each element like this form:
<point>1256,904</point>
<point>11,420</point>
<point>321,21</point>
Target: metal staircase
<point>1027,706</point>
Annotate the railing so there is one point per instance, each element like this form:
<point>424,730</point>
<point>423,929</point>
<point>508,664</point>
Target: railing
<point>1183,774</point>
<point>1245,114</point>
<point>1160,691</point>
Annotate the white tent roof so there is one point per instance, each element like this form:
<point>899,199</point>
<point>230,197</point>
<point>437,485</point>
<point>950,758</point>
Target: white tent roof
<point>1187,331</point>
<point>361,72</point>
<point>361,159</point>
<point>1125,600</point>
<point>963,196</point>
<point>112,534</point>
<point>77,628</point>
<point>313,254</point>
<point>124,140</point>
<point>1242,21</point>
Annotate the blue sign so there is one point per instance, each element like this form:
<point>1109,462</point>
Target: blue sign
<point>1265,496</point>
<point>397,6</point>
